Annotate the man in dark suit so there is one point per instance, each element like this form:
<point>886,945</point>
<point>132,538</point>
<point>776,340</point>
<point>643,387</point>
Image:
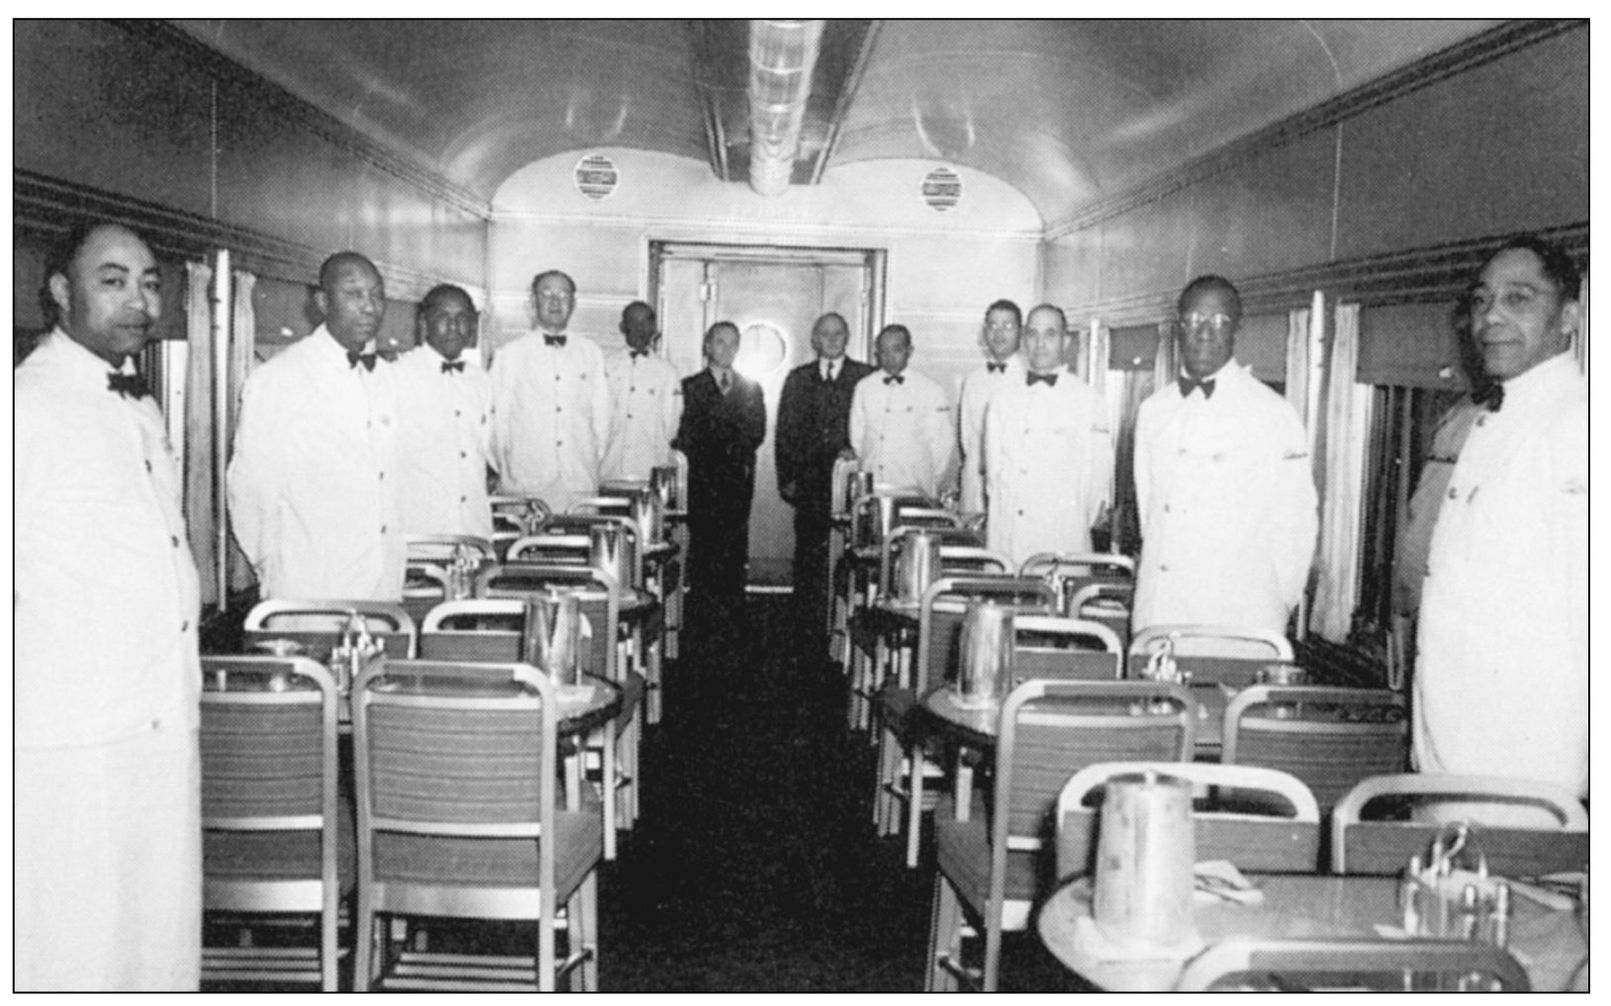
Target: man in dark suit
<point>723,422</point>
<point>813,429</point>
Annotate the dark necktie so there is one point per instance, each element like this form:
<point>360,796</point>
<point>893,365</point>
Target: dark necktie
<point>452,366</point>
<point>127,385</point>
<point>1188,383</point>
<point>997,368</point>
<point>354,358</point>
<point>828,374</point>
<point>1492,398</point>
<point>1031,379</point>
<point>895,379</point>
<point>553,340</point>
<point>725,382</point>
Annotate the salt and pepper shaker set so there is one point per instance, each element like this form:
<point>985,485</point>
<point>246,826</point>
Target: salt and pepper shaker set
<point>1437,901</point>
<point>357,646</point>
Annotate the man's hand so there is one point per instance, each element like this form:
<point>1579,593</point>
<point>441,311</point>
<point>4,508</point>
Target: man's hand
<point>846,454</point>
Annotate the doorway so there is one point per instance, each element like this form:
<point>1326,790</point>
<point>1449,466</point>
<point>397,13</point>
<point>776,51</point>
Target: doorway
<point>773,295</point>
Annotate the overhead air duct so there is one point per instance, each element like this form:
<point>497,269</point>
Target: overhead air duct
<point>782,55</point>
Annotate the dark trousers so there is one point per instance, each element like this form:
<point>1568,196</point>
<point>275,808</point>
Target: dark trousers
<point>811,528</point>
<point>718,533</point>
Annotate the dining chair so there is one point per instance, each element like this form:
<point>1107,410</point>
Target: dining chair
<point>317,625</point>
<point>514,517</point>
<point>1108,603</point>
<point>458,817</point>
<point>1382,847</point>
<point>1225,654</point>
<point>873,518</point>
<point>901,756</point>
<point>1088,566</point>
<point>1283,836</point>
<point>440,548</point>
<point>551,549</point>
<point>481,629</point>
<point>1331,738</point>
<point>601,505</point>
<point>613,747</point>
<point>991,867</point>
<point>1056,646</point>
<point>273,841</point>
<point>1250,963</point>
<point>890,547</point>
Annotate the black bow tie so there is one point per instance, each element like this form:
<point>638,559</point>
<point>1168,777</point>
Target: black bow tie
<point>1492,398</point>
<point>634,354</point>
<point>453,366</point>
<point>895,379</point>
<point>127,385</point>
<point>1032,379</point>
<point>997,368</point>
<point>1188,383</point>
<point>354,358</point>
<point>553,340</point>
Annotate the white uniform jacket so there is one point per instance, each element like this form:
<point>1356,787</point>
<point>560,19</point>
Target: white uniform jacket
<point>902,431</point>
<point>444,432</point>
<point>313,482</point>
<point>1502,676</point>
<point>978,387</point>
<point>551,418</point>
<point>645,407</point>
<point>1227,504</point>
<point>105,684</point>
<point>1048,458</point>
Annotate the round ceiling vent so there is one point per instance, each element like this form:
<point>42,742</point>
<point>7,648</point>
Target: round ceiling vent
<point>596,176</point>
<point>942,189</point>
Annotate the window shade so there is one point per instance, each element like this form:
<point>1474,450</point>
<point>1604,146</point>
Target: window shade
<point>1410,345</point>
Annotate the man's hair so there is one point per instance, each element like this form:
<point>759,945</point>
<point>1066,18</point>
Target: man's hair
<point>1062,319</point>
<point>1006,305</point>
<point>538,279</point>
<point>63,252</point>
<point>626,310</point>
<point>1207,282</point>
<point>437,294</point>
<point>333,265</point>
<point>898,328</point>
<point>831,314</point>
<point>1557,265</point>
<point>711,332</point>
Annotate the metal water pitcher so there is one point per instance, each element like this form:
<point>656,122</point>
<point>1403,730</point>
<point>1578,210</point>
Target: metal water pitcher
<point>553,634</point>
<point>984,667</point>
<point>1144,865</point>
<point>649,515</point>
<point>916,565</point>
<point>663,484</point>
<point>611,550</point>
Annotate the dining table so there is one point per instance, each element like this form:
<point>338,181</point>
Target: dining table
<point>1551,945</point>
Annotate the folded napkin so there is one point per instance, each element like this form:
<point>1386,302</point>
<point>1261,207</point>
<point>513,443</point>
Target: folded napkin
<point>1219,879</point>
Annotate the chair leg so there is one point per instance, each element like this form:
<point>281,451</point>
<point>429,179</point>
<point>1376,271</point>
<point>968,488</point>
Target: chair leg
<point>585,930</point>
<point>547,963</point>
<point>607,777</point>
<point>363,928</point>
<point>914,803</point>
<point>329,961</point>
<point>945,936</point>
<point>888,774</point>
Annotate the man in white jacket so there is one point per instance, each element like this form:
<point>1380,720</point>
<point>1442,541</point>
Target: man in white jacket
<point>551,403</point>
<point>1048,452</point>
<point>444,421</point>
<point>1223,483</point>
<point>1002,368</point>
<point>313,481</point>
<point>900,421</point>
<point>645,399</point>
<point>1502,677</point>
<point>106,802</point>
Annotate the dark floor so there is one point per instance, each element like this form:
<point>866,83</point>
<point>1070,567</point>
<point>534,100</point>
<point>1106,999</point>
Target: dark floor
<point>754,865</point>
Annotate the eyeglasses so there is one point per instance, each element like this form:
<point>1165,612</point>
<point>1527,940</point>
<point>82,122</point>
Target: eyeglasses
<point>554,295</point>
<point>1219,324</point>
<point>1008,326</point>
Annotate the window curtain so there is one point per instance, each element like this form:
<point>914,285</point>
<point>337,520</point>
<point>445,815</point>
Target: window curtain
<point>198,502</point>
<point>1165,365</point>
<point>243,329</point>
<point>1347,417</point>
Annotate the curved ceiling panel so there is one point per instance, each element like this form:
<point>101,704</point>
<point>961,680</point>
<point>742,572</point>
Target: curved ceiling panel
<point>1068,112</point>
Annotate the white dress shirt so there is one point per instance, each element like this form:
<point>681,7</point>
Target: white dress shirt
<point>444,429</point>
<point>1502,675</point>
<point>105,597</point>
<point>313,481</point>
<point>902,432</point>
<point>978,387</point>
<point>551,418</point>
<point>1048,460</point>
<point>645,407</point>
<point>1227,504</point>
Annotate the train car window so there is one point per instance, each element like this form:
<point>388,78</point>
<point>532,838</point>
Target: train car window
<point>1261,344</point>
<point>1134,347</point>
<point>1410,345</point>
